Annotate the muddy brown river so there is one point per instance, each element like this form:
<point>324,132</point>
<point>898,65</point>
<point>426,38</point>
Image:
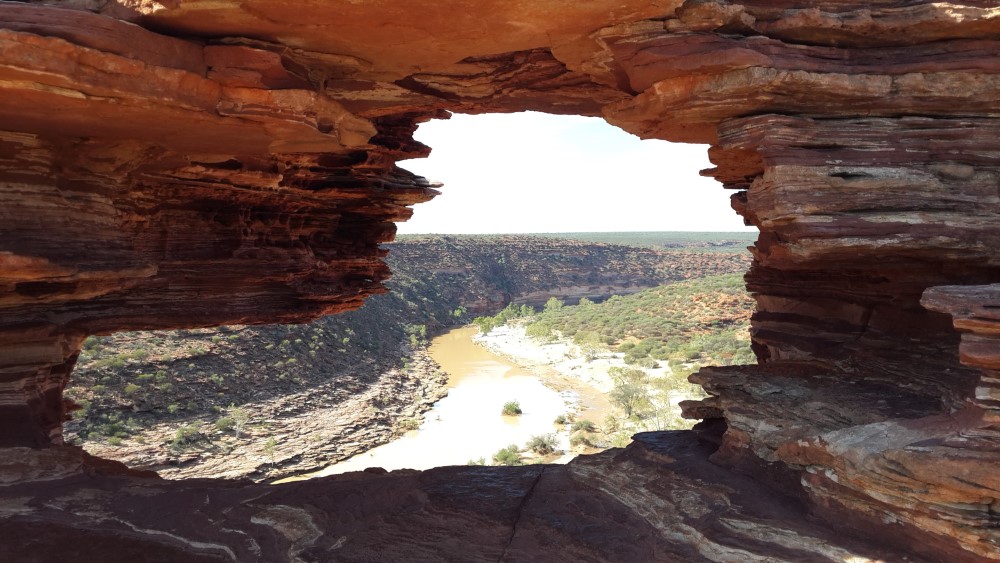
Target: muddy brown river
<point>467,424</point>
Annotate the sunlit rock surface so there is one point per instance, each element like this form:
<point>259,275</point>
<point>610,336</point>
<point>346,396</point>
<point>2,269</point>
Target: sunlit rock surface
<point>191,163</point>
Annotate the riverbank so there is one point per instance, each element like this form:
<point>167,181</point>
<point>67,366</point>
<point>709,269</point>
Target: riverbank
<point>558,360</point>
<point>560,355</point>
<point>468,427</point>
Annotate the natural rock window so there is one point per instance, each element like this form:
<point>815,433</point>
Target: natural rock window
<point>192,164</point>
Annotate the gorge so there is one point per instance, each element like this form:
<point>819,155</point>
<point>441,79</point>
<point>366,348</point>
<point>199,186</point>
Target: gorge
<point>327,390</point>
<point>194,163</point>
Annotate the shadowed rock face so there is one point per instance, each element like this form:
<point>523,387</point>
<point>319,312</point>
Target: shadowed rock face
<point>190,163</point>
<point>658,500</point>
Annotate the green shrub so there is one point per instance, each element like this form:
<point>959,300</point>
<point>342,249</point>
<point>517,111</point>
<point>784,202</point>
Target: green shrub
<point>225,423</point>
<point>187,434</point>
<point>131,388</point>
<point>543,445</point>
<point>584,425</point>
<point>631,397</point>
<point>581,439</point>
<point>561,419</point>
<point>611,424</point>
<point>509,313</point>
<point>240,418</point>
<point>480,461</point>
<point>539,330</point>
<point>510,455</point>
<point>553,304</point>
<point>511,408</point>
<point>269,448</point>
<point>647,362</point>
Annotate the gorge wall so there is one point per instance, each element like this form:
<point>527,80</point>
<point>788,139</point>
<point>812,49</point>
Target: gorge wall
<point>191,163</point>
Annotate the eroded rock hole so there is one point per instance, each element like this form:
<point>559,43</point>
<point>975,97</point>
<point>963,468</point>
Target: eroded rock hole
<point>609,322</point>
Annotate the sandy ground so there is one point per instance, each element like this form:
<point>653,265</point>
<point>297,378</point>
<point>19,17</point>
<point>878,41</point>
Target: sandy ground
<point>561,355</point>
<point>566,360</point>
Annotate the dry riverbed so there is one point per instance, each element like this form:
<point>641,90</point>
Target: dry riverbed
<point>557,360</point>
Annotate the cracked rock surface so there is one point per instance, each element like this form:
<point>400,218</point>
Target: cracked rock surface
<point>660,499</point>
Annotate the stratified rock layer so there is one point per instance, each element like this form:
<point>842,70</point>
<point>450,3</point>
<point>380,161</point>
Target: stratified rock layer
<point>658,500</point>
<point>183,198</point>
<point>234,162</point>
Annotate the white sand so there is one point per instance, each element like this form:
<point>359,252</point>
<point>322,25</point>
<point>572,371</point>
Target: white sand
<point>561,354</point>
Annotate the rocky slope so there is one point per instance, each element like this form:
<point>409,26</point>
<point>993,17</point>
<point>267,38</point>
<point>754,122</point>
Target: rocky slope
<point>485,273</point>
<point>192,163</point>
<point>658,500</point>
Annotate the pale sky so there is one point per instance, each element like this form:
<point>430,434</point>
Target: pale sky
<point>538,173</point>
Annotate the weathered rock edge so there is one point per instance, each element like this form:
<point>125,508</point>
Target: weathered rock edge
<point>660,499</point>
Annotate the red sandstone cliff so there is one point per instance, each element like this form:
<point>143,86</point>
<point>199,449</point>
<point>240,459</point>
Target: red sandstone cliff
<point>192,162</point>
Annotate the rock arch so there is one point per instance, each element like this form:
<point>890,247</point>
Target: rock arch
<point>193,163</point>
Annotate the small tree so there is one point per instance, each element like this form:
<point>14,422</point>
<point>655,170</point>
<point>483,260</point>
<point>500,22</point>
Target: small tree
<point>630,392</point>
<point>269,448</point>
<point>621,375</point>
<point>631,397</point>
<point>553,304</point>
<point>240,417</point>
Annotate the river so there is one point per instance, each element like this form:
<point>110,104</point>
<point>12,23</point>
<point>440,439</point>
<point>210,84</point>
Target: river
<point>467,424</point>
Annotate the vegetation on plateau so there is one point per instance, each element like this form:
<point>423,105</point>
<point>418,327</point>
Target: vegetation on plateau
<point>689,241</point>
<point>659,336</point>
<point>704,320</point>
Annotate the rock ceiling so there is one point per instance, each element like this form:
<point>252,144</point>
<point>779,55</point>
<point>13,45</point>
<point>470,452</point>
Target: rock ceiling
<point>183,163</point>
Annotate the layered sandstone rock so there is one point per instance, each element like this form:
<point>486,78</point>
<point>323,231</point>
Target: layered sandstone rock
<point>185,197</point>
<point>658,500</point>
<point>976,314</point>
<point>221,161</point>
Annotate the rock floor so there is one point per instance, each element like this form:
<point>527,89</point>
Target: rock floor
<point>660,499</point>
